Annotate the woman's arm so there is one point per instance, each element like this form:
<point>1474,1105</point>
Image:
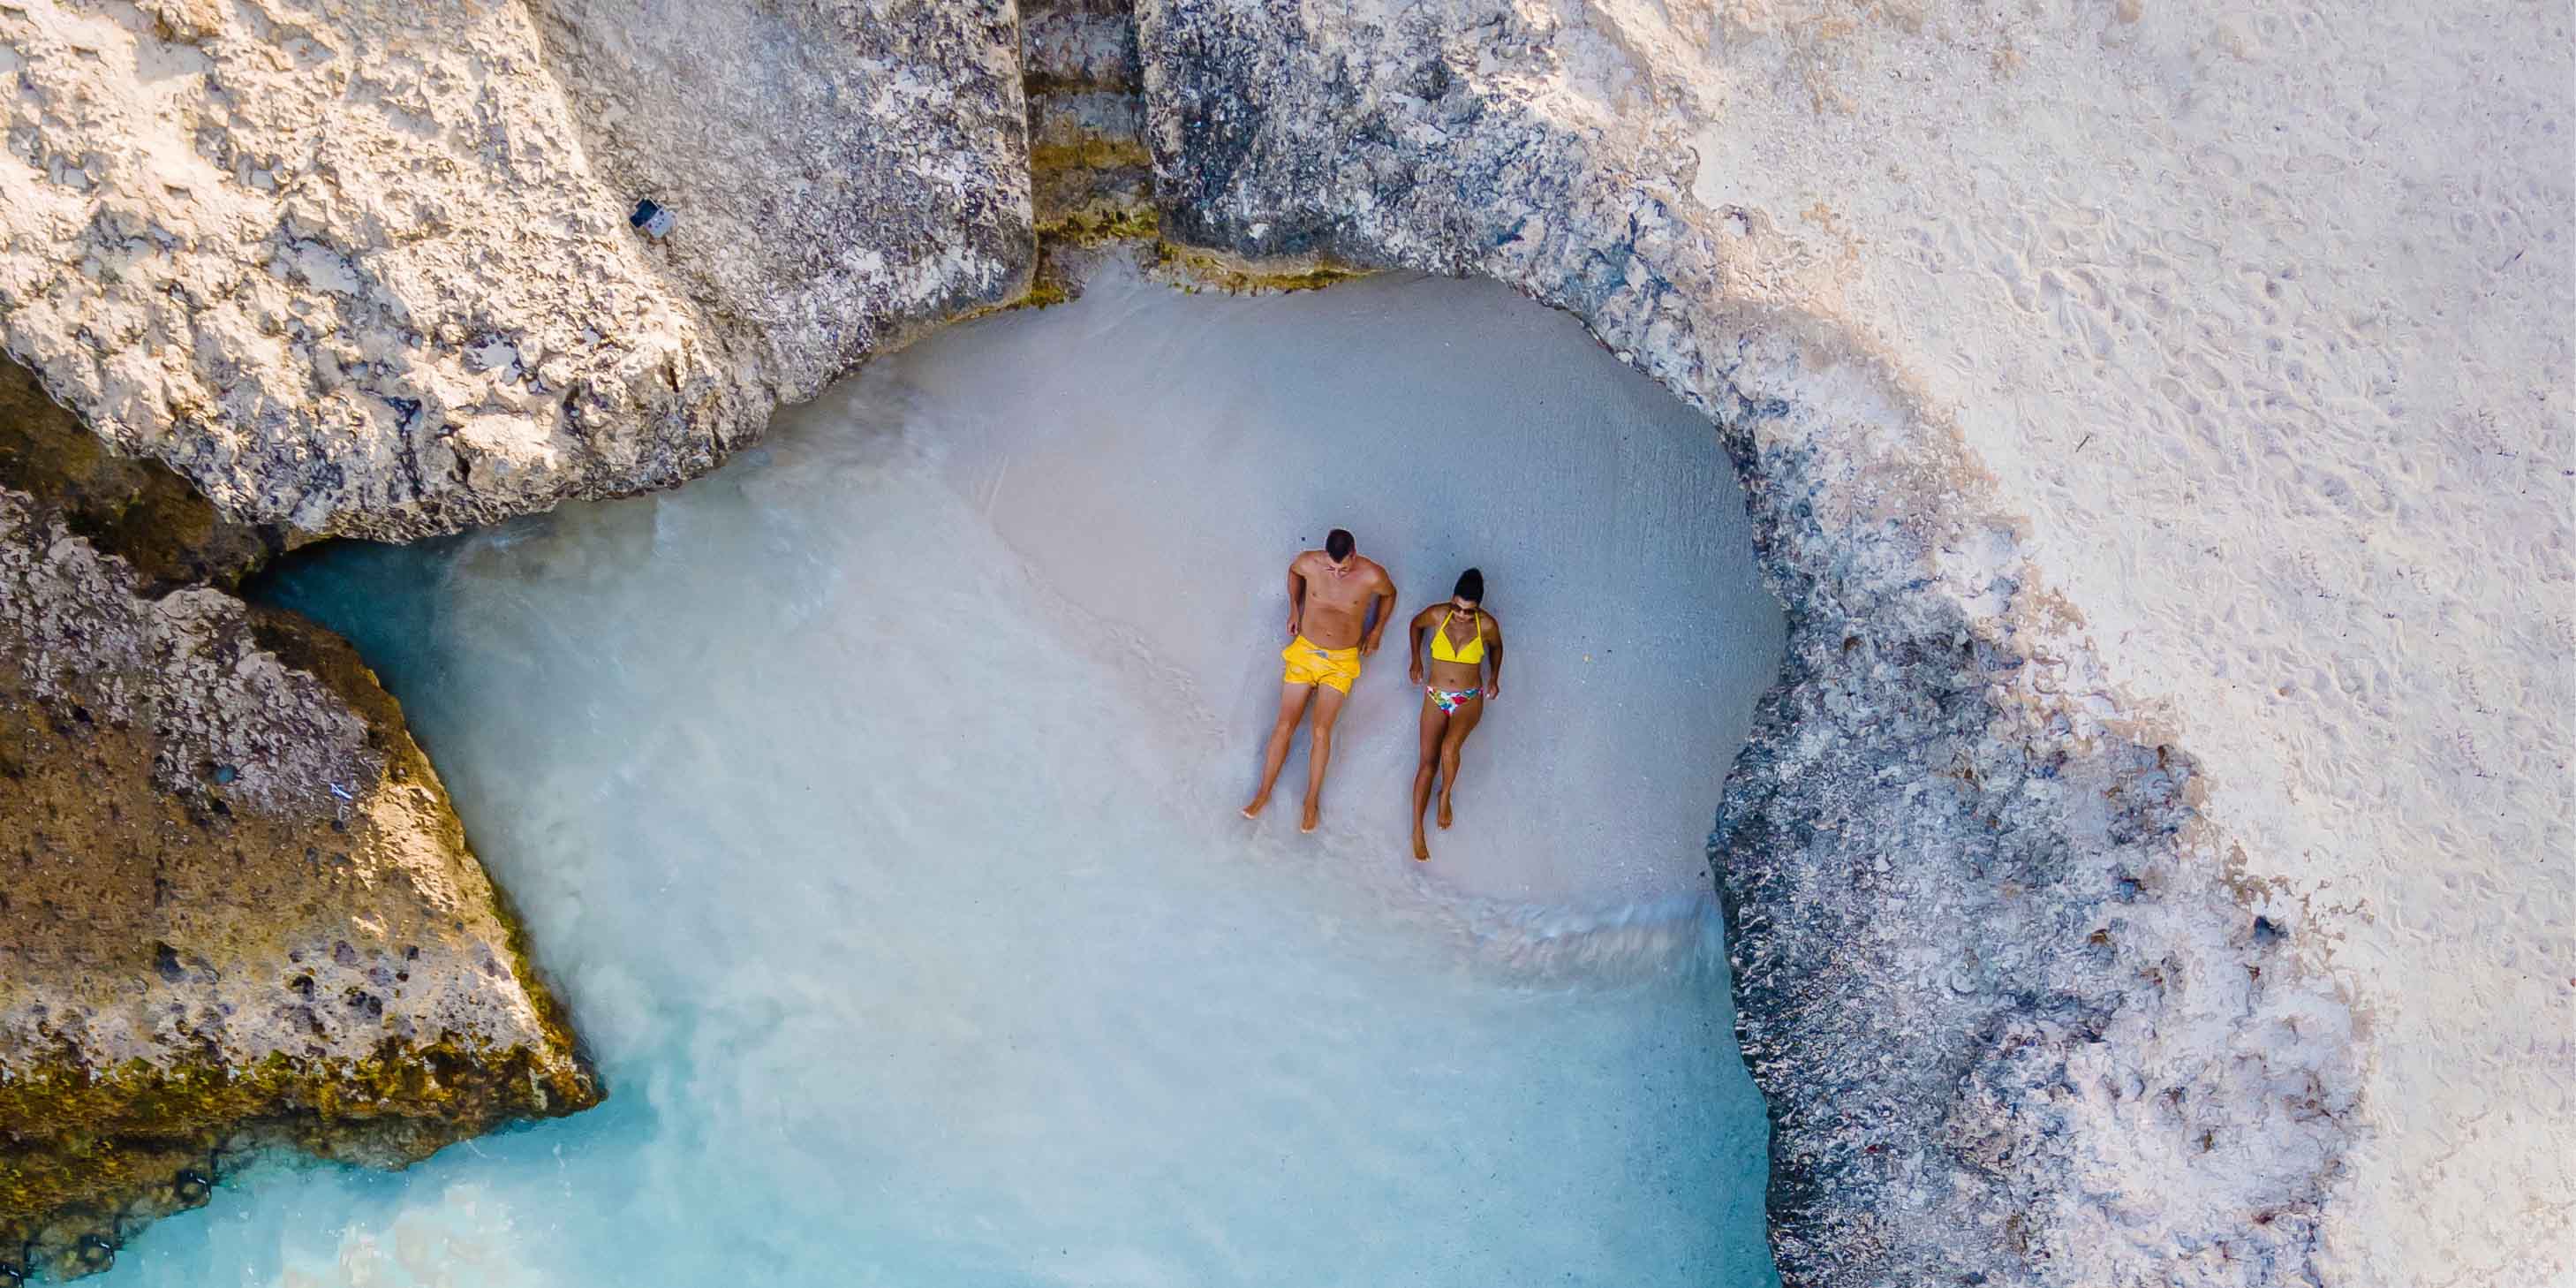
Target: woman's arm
<point>1421,626</point>
<point>1493,654</point>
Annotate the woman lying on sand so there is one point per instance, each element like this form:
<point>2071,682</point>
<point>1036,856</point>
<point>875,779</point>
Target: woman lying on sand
<point>1465,640</point>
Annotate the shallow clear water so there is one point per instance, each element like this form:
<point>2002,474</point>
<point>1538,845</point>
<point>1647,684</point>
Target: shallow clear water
<point>873,803</point>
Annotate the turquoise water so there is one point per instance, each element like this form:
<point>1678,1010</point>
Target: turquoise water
<point>872,801</point>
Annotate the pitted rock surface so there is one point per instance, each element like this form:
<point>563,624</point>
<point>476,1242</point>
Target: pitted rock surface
<point>235,904</point>
<point>135,509</point>
<point>841,172</point>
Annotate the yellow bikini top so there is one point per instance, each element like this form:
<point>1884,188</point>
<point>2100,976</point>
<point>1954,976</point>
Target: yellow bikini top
<point>1441,651</point>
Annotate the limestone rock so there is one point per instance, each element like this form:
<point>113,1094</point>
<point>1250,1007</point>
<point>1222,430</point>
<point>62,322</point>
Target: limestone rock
<point>236,908</point>
<point>371,271</point>
<point>135,509</point>
<point>843,171</point>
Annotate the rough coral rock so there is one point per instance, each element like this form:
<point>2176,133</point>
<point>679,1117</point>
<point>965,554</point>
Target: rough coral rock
<point>368,268</point>
<point>236,908</point>
<point>135,509</point>
<point>2020,1015</point>
<point>843,171</point>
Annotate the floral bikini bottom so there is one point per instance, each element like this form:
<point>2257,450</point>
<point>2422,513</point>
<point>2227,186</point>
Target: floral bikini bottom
<point>1449,700</point>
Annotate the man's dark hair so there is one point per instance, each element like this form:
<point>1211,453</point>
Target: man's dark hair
<point>1338,545</point>
<point>1471,587</point>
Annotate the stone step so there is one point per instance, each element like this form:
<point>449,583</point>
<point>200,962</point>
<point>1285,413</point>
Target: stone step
<point>1093,129</point>
<point>1091,204</point>
<point>1091,180</point>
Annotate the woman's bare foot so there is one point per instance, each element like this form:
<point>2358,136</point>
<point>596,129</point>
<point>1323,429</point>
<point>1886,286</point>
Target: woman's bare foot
<point>1421,848</point>
<point>1314,815</point>
<point>1444,810</point>
<point>1253,810</point>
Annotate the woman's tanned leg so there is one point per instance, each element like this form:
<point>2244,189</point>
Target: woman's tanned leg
<point>1460,725</point>
<point>1434,724</point>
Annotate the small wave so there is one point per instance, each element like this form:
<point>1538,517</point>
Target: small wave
<point>1654,940</point>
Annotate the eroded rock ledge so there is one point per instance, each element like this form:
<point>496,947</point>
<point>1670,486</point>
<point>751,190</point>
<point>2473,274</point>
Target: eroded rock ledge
<point>236,908</point>
<point>373,272</point>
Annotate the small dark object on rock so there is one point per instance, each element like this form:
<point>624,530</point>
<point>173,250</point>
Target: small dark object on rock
<point>2267,933</point>
<point>165,961</point>
<point>407,408</point>
<point>651,218</point>
<point>192,1187</point>
<point>10,1275</point>
<point>95,1253</point>
<point>226,773</point>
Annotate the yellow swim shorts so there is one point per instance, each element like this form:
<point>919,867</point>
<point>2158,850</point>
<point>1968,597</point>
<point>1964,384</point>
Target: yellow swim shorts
<point>1311,663</point>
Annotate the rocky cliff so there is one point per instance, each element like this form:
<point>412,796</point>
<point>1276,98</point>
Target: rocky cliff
<point>236,909</point>
<point>388,269</point>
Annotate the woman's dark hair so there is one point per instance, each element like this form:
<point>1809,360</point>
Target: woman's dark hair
<point>1338,545</point>
<point>1471,587</point>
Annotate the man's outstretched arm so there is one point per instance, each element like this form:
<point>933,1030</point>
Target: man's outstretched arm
<point>1385,601</point>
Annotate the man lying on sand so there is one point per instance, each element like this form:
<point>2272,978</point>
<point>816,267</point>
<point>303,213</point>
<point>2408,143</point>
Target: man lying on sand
<point>1330,592</point>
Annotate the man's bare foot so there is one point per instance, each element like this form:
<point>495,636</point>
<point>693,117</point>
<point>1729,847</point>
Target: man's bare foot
<point>1253,810</point>
<point>1444,812</point>
<point>1421,848</point>
<point>1314,815</point>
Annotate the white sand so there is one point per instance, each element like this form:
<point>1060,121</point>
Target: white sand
<point>2262,318</point>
